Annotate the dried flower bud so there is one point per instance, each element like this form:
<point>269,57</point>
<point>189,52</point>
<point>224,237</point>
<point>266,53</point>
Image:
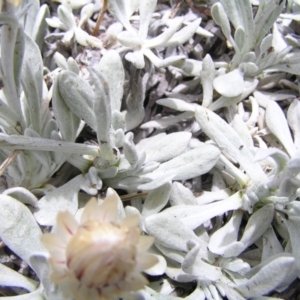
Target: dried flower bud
<point>100,258</point>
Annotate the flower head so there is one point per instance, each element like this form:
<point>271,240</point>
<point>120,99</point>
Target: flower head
<point>100,257</point>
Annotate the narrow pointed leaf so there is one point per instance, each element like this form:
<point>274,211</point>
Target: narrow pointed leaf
<point>293,117</point>
<point>277,124</point>
<point>224,241</point>
<point>166,148</point>
<point>156,200</point>
<point>112,68</point>
<point>227,139</point>
<point>268,277</point>
<point>9,277</point>
<point>257,224</point>
<point>190,164</point>
<point>78,95</point>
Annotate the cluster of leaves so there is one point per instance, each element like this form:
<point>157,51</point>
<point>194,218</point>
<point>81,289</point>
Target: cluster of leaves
<point>239,238</point>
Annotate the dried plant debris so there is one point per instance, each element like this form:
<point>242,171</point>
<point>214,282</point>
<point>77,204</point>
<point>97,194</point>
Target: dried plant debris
<point>149,149</point>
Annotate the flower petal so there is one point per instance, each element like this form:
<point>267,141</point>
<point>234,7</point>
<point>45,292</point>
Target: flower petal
<point>145,242</point>
<point>66,225</point>
<point>145,261</point>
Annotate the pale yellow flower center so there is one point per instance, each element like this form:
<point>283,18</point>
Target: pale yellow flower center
<point>101,255</point>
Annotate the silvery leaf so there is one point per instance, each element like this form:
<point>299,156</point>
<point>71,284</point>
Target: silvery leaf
<point>234,265</point>
<point>41,266</point>
<point>30,17</point>
<point>241,16</point>
<point>231,171</point>
<point>150,182</point>
<point>239,37</point>
<point>260,283</point>
<point>176,273</point>
<point>229,291</point>
<point>230,84</point>
<point>220,17</point>
<point>18,229</point>
<point>156,200</point>
<point>167,121</point>
<point>67,121</point>
<point>249,86</point>
<point>102,113</point>
<point>161,39</point>
<point>9,119</point>
<point>165,148</point>
<point>180,195</point>
<point>281,158</point>
<point>242,129</point>
<point>249,57</point>
<point>137,58</point>
<point>208,197</point>
<point>277,124</point>
<point>168,231</point>
<point>80,99</point>
<point>293,225</point>
<point>203,32</point>
<point>265,45</point>
<point>130,151</point>
<point>224,240</point>
<point>174,60</point>
<point>36,295</point>
<point>56,23</point>
<point>66,16</point>
<point>293,117</point>
<point>146,9</point>
<point>271,244</point>
<point>176,104</point>
<point>279,42</point>
<point>64,198</point>
<point>257,224</point>
<point>40,26</point>
<point>253,257</point>
<point>191,67</point>
<point>32,82</point>
<point>174,255</point>
<point>129,39</point>
<point>227,139</point>
<point>112,68</point>
<point>218,182</point>
<point>9,277</point>
<point>292,69</point>
<point>249,69</point>
<point>207,77</point>
<point>183,35</point>
<point>192,216</point>
<point>31,143</point>
<point>148,167</point>
<point>119,9</point>
<point>265,17</point>
<point>190,164</point>
<point>12,50</point>
<point>23,195</point>
<point>60,60</point>
<point>72,65</point>
<point>193,264</point>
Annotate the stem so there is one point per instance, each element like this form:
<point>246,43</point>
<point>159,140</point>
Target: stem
<point>6,163</point>
<point>100,17</point>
